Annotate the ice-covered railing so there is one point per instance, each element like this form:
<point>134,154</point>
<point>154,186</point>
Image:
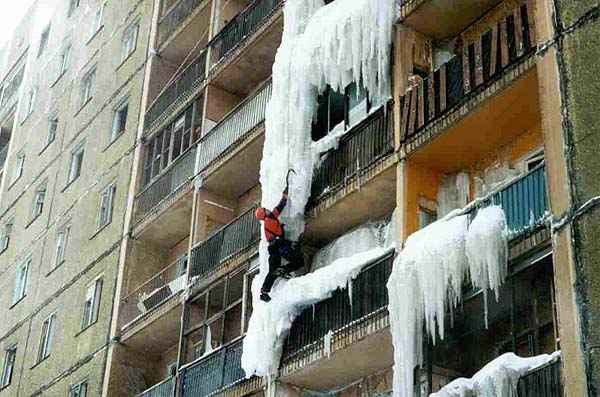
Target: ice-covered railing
<point>358,150</point>
<point>480,63</point>
<point>524,201</point>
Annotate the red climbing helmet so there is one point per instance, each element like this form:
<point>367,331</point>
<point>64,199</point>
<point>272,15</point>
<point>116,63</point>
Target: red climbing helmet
<point>261,213</point>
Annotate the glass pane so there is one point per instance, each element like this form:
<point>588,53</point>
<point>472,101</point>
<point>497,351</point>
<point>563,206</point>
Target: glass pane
<point>337,106</point>
<point>197,312</point>
<point>215,299</point>
<point>195,345</point>
<point>236,288</point>
<point>214,335</point>
<point>233,323</point>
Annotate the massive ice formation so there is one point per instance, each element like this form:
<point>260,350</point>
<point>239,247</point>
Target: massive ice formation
<point>336,44</point>
<point>498,378</point>
<point>427,279</point>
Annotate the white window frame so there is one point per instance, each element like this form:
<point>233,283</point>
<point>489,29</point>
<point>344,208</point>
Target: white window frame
<point>44,37</point>
<point>98,21</point>
<point>6,233</point>
<point>63,60</point>
<point>21,281</point>
<point>38,202</point>
<point>31,101</point>
<point>91,304</point>
<point>47,334</point>
<point>105,207</point>
<point>52,129</point>
<point>19,167</point>
<point>129,42</point>
<point>10,357</point>
<point>62,240</point>
<point>75,163</point>
<point>87,86</point>
<point>115,132</point>
<point>79,389</point>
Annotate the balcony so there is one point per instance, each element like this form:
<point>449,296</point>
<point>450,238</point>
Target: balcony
<point>9,92</point>
<point>225,245</point>
<point>155,292</point>
<point>166,191</point>
<point>360,171</point>
<point>441,19</point>
<point>346,327</point>
<point>216,373</point>
<point>542,382</point>
<point>491,74</point>
<point>176,95</point>
<point>252,38</point>
<point>165,388</point>
<point>238,135</point>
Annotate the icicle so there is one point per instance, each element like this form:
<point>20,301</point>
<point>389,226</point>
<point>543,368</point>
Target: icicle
<point>327,344</point>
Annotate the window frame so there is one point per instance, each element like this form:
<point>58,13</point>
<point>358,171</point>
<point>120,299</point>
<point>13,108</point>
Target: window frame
<point>52,130</point>
<point>10,358</point>
<point>88,83</point>
<point>91,303</point>
<point>109,192</point>
<point>47,335</point>
<point>98,21</point>
<point>38,205</point>
<point>64,58</point>
<point>129,40</point>
<point>5,238</point>
<point>60,250</point>
<point>75,163</point>
<point>19,168</point>
<point>115,131</point>
<point>77,387</point>
<point>44,38</point>
<point>31,101</point>
<point>21,283</point>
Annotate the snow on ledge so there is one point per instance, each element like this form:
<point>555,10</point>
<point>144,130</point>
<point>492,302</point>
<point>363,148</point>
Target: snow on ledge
<point>498,378</point>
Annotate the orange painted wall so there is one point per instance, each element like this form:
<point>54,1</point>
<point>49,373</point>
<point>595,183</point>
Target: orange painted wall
<point>422,182</point>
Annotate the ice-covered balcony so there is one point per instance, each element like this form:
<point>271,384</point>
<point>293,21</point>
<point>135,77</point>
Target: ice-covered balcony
<point>490,82</point>
<point>243,50</point>
<point>9,89</point>
<point>229,154</point>
<point>226,248</point>
<point>218,373</point>
<point>545,381</point>
<point>442,19</point>
<point>355,181</point>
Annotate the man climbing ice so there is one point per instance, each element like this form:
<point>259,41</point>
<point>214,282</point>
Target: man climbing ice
<point>279,247</point>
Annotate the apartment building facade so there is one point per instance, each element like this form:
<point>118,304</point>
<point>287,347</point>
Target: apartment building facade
<point>72,88</point>
<point>485,90</point>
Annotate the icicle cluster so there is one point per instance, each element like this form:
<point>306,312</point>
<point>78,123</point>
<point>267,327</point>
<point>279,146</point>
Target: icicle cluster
<point>336,44</point>
<point>427,277</point>
<point>498,378</point>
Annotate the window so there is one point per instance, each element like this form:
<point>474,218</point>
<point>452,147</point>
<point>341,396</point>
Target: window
<point>119,120</point>
<point>19,167</point>
<point>73,4</point>
<point>75,164</point>
<point>44,41</point>
<point>91,306</point>
<point>97,22</point>
<point>47,337</point>
<point>10,357</point>
<point>534,161</point>
<point>61,246</point>
<point>79,390</point>
<point>87,87</point>
<point>53,127</point>
<point>106,206</point>
<point>31,100</point>
<point>38,202</point>
<point>63,61</point>
<point>6,233</point>
<point>21,281</point>
<point>129,41</point>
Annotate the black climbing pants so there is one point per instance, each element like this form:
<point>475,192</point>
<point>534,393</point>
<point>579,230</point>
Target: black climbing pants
<point>282,248</point>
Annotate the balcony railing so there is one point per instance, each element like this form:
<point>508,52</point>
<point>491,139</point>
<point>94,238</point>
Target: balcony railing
<point>9,93</point>
<point>524,201</point>
<point>186,82</point>
<point>482,62</point>
<point>542,382</point>
<point>365,145</point>
<point>343,310</point>
<point>233,127</point>
<point>218,370</point>
<point>225,243</point>
<point>154,292</point>
<point>166,388</point>
<point>166,185</point>
<point>175,17</point>
<point>241,26</point>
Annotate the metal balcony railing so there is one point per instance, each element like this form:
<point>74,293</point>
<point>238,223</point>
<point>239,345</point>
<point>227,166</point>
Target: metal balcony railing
<point>154,292</point>
<point>218,370</point>
<point>545,381</point>
<point>174,17</point>
<point>369,298</point>
<point>191,78</point>
<point>232,128</point>
<point>241,26</point>
<point>166,388</point>
<point>482,62</point>
<point>359,149</point>
<point>172,180</point>
<point>524,201</point>
<point>225,243</point>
